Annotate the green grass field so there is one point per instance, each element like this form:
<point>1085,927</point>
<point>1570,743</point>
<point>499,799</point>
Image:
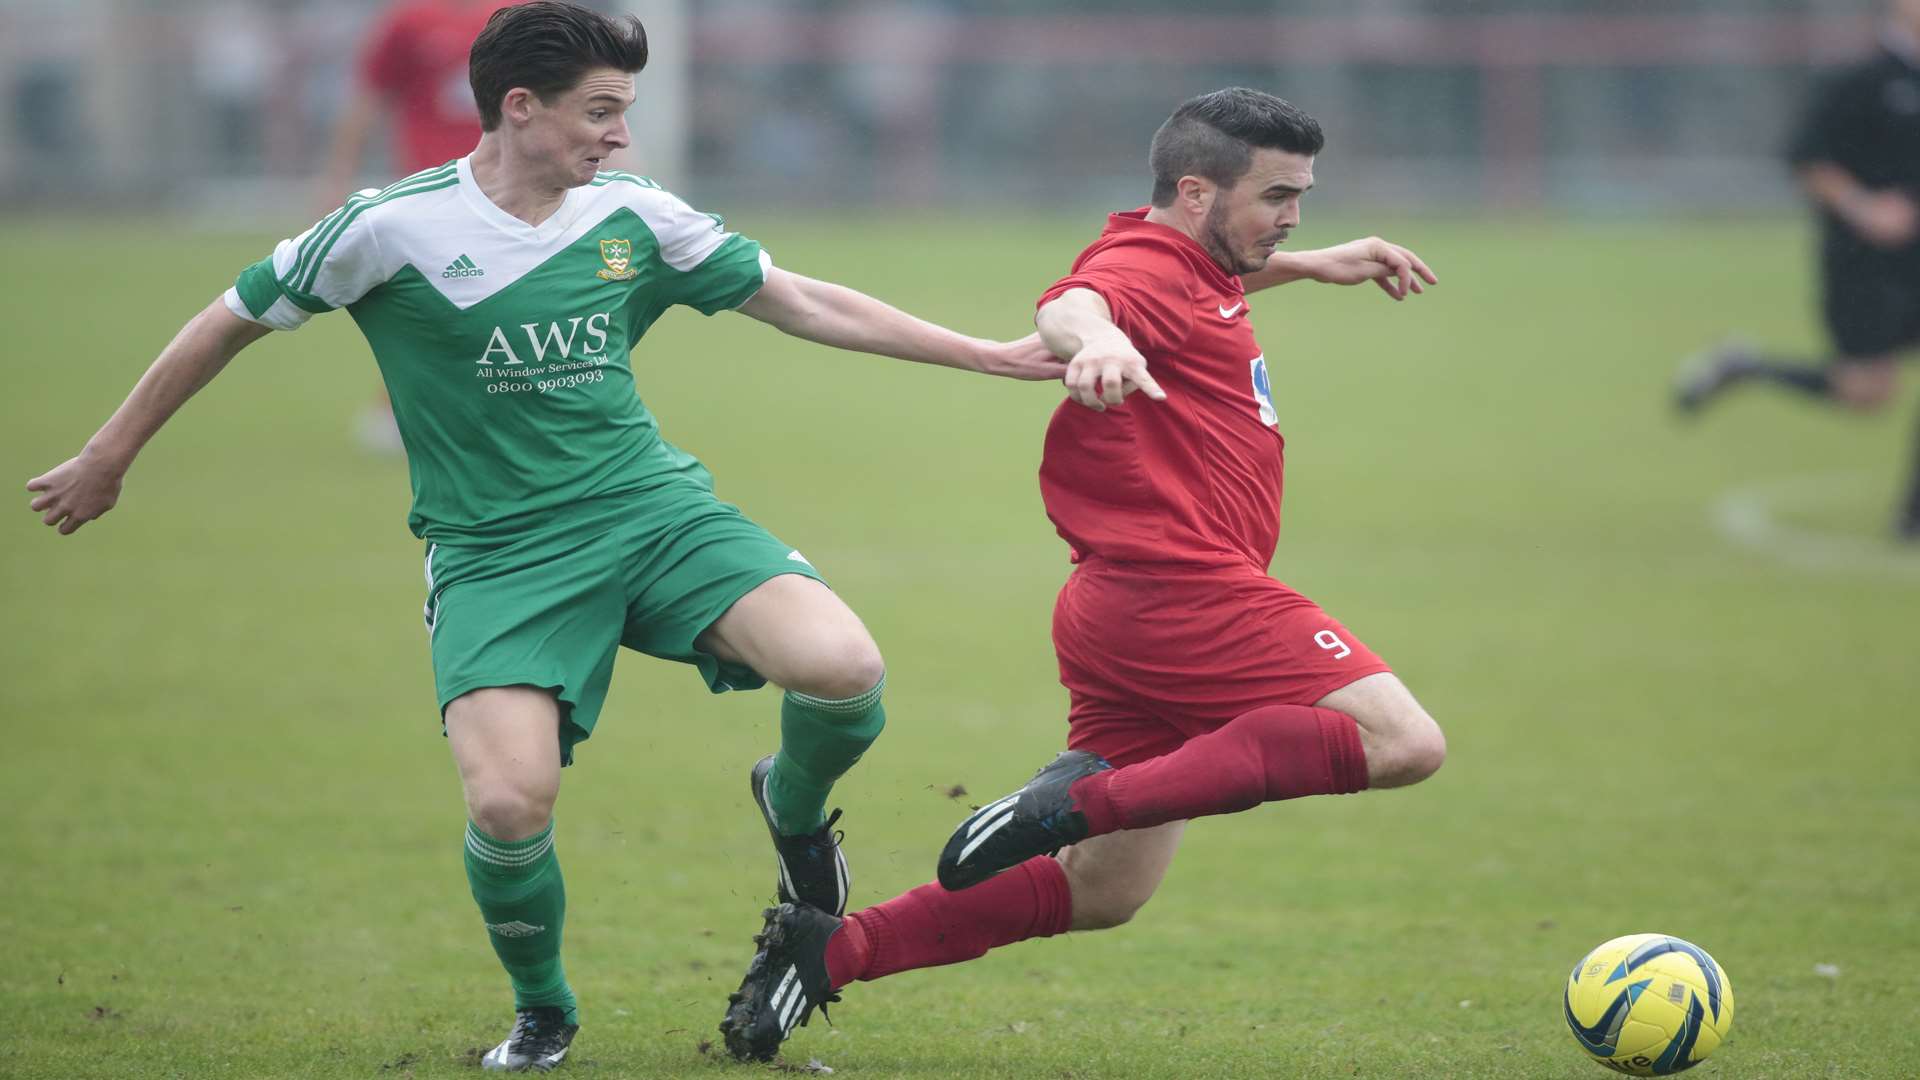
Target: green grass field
<point>233,836</point>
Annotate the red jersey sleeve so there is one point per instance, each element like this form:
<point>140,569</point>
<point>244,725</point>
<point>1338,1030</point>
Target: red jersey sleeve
<point>1145,287</point>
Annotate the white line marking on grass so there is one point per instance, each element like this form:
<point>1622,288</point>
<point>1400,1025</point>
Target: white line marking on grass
<point>1746,516</point>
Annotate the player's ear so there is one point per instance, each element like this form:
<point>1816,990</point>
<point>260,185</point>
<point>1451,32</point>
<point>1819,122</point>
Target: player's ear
<point>1196,193</point>
<point>517,105</point>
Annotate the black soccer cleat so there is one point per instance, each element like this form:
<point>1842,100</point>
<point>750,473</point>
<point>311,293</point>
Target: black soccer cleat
<point>1709,374</point>
<point>1039,819</point>
<point>539,1040</point>
<point>812,869</point>
<point>785,982</point>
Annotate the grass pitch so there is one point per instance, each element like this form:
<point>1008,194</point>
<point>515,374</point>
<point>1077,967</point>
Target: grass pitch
<point>233,846</point>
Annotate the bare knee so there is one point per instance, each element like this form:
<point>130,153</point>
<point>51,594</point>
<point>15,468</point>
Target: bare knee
<point>1402,743</point>
<point>1421,753</point>
<point>798,636</point>
<point>506,809</point>
<point>1406,752</point>
<point>844,666</point>
<point>505,742</point>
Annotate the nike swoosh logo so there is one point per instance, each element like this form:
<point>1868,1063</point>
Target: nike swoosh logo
<point>1230,312</point>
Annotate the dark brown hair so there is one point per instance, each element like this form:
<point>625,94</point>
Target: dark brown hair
<point>548,46</point>
<point>1214,135</point>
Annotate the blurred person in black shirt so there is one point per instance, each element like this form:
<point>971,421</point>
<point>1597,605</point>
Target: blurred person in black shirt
<point>1856,154</point>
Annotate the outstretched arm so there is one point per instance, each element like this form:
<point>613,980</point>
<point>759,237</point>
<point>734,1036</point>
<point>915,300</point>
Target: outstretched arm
<point>86,486</point>
<point>830,314</point>
<point>1395,269</point>
<point>1103,367</point>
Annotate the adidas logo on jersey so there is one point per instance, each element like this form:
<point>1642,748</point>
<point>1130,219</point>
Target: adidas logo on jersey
<point>462,267</point>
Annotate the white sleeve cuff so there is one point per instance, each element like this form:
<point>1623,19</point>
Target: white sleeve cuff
<point>283,315</point>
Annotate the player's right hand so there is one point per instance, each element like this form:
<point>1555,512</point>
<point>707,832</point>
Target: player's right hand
<point>76,491</point>
<point>1102,375</point>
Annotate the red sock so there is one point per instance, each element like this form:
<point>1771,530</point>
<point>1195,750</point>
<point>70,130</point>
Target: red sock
<point>929,926</point>
<point>1276,752</point>
<point>848,952</point>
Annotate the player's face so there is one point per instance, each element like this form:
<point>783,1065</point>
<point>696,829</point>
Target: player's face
<point>581,128</point>
<point>1251,218</point>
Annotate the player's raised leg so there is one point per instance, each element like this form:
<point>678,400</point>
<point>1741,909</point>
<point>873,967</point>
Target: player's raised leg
<point>506,743</point>
<point>797,634</point>
<point>1370,733</point>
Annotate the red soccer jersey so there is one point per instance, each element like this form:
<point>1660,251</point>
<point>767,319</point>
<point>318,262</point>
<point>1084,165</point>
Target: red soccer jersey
<point>1192,479</point>
<point>416,59</point>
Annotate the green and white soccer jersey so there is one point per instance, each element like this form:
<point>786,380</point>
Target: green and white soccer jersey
<point>561,526</point>
<point>505,345</point>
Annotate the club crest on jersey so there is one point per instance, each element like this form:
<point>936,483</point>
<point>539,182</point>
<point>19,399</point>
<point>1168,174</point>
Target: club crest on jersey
<point>618,255</point>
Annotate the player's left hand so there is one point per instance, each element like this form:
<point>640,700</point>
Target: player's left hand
<point>1028,358</point>
<point>1395,269</point>
<point>1103,373</point>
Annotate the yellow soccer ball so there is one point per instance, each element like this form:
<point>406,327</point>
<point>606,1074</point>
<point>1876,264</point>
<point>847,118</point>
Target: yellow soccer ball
<point>1649,1004</point>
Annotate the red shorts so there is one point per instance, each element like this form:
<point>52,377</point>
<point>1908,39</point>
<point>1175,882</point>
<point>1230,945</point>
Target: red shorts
<point>1152,657</point>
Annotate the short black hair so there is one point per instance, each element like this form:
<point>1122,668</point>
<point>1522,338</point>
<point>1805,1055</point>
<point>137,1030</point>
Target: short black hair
<point>1214,136</point>
<point>548,46</point>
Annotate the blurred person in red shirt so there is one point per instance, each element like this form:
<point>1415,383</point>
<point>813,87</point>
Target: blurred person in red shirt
<point>412,73</point>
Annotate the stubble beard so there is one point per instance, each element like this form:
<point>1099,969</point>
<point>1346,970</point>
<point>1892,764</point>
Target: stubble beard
<point>1222,249</point>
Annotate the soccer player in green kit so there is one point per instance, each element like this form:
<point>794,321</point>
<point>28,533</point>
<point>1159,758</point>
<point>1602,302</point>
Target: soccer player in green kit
<point>501,294</point>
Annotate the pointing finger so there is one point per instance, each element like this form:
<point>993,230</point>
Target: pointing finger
<point>1146,384</point>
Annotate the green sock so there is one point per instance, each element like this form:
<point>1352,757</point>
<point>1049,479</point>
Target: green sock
<point>819,741</point>
<point>524,904</point>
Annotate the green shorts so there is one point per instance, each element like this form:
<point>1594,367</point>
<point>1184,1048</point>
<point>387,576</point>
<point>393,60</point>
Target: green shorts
<point>651,572</point>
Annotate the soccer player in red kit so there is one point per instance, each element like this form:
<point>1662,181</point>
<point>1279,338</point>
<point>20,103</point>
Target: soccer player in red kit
<point>1198,684</point>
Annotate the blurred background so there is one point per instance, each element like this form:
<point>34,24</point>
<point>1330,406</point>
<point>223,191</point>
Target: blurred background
<point>1533,104</point>
<point>1675,661</point>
